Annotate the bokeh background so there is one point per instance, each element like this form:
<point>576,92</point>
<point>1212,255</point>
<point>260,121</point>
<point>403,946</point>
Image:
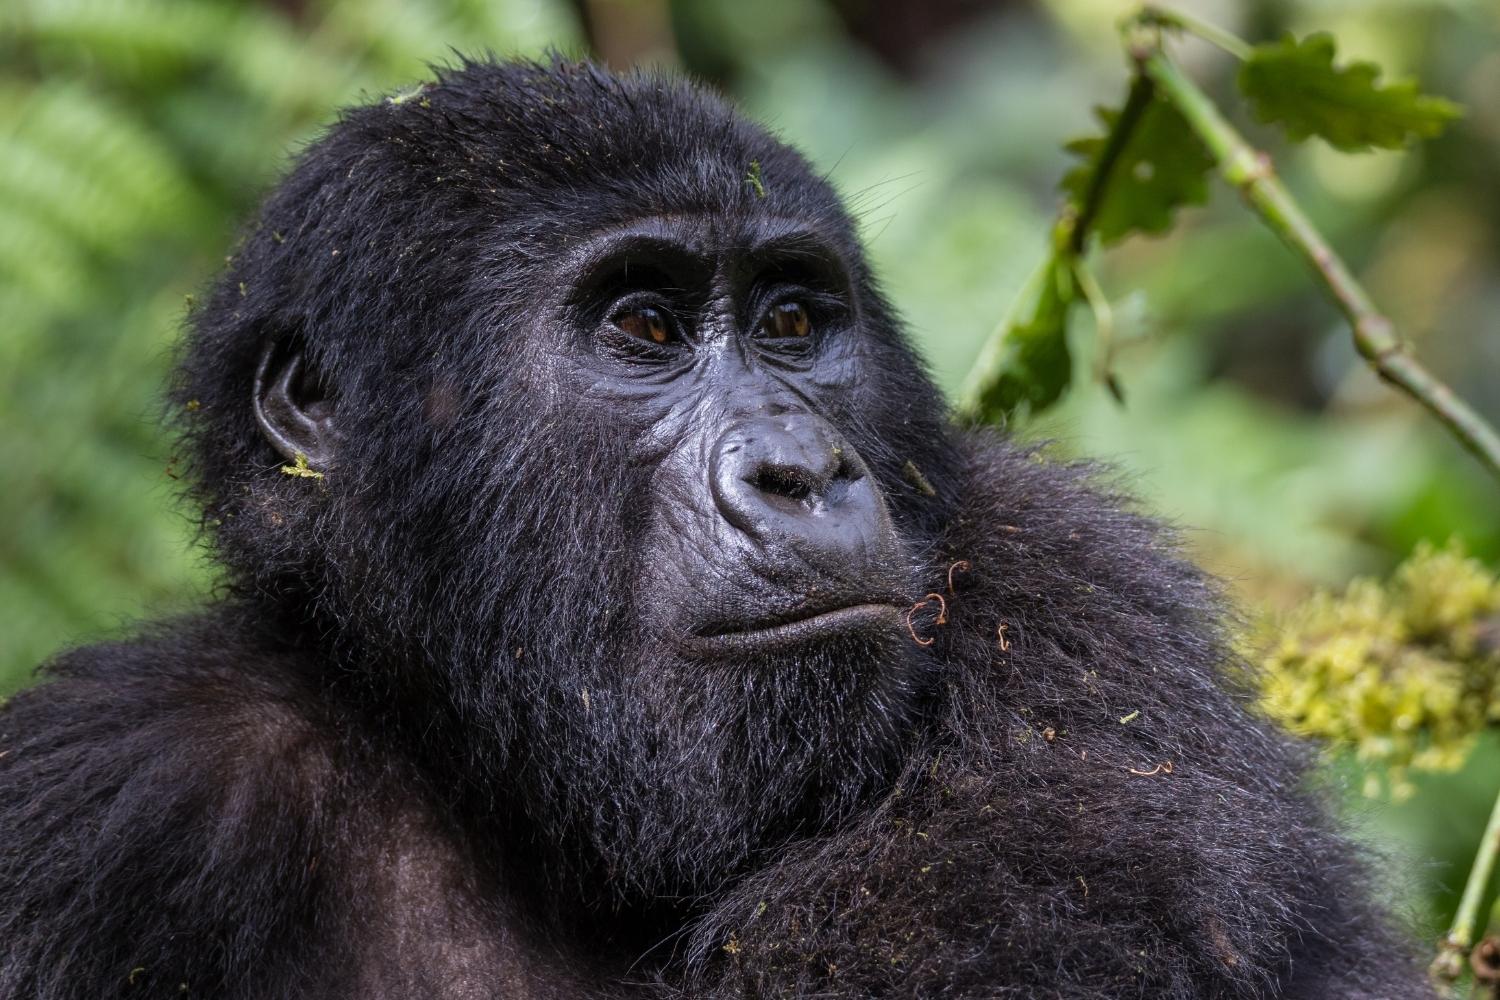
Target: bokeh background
<point>135,135</point>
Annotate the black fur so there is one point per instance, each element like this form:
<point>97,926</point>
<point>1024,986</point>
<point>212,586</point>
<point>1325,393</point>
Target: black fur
<point>431,742</point>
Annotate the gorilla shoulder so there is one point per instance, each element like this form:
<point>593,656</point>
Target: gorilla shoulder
<point>160,800</point>
<point>177,810</point>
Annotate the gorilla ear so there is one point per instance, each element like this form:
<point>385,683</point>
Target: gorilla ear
<point>294,406</point>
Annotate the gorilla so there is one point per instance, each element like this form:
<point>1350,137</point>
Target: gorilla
<point>611,608</point>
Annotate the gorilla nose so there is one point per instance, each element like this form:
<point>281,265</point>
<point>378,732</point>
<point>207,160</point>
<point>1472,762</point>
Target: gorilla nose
<point>793,481</point>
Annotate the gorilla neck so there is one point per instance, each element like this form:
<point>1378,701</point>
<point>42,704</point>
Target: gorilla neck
<point>622,806</point>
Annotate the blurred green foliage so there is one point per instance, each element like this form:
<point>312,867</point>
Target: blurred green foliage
<point>135,135</point>
<point>1408,674</point>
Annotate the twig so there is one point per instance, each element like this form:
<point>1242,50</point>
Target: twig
<point>1252,173</point>
<point>942,618</point>
<point>1163,18</point>
<point>912,629</point>
<point>1460,937</point>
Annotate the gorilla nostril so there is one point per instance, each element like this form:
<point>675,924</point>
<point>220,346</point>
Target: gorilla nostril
<point>784,481</point>
<point>844,468</point>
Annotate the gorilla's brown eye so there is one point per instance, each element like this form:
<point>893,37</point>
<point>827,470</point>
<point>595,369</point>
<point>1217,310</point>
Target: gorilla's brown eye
<point>645,323</point>
<point>789,319</point>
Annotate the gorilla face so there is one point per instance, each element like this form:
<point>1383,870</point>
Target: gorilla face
<point>736,355</point>
<point>614,500</point>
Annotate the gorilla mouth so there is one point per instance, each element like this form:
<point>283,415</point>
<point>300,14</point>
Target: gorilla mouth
<point>868,617</point>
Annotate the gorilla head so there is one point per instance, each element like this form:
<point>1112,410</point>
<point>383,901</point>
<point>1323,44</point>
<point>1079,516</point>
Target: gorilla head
<point>583,446</point>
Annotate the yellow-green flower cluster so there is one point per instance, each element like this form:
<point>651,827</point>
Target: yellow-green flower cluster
<point>1407,672</point>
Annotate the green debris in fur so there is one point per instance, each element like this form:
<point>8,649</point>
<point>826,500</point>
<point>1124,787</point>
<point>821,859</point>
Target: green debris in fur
<point>301,469</point>
<point>402,96</point>
<point>914,476</point>
<point>1125,720</point>
<point>753,178</point>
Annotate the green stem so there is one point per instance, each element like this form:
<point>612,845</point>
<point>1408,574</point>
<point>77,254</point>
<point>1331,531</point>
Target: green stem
<point>1252,173</point>
<point>1461,934</point>
<point>1164,18</point>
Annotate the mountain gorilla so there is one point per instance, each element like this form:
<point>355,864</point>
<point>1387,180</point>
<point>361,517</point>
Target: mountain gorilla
<point>611,610</point>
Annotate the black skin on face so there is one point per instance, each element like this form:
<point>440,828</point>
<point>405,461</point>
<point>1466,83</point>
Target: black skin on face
<point>734,347</point>
<point>610,610</point>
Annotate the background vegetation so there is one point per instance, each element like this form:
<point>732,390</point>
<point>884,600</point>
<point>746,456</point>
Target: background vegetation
<point>136,134</point>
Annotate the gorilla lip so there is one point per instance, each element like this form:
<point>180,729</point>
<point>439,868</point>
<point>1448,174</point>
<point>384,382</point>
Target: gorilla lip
<point>823,624</point>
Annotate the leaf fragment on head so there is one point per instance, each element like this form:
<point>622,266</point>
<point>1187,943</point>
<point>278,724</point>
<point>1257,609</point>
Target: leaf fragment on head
<point>301,469</point>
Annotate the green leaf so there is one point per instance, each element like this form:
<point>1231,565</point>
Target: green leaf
<point>1035,366</point>
<point>1161,166</point>
<point>1296,85</point>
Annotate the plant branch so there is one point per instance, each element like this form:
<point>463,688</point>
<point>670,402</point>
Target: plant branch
<point>1161,17</point>
<point>1253,175</point>
<point>1460,937</point>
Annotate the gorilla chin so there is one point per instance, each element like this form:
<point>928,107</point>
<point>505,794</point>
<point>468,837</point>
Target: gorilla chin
<point>738,754</point>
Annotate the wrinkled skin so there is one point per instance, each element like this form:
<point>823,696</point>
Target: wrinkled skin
<point>610,610</point>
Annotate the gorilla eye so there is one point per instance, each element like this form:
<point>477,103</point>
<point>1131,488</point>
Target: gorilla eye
<point>789,319</point>
<point>646,323</point>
